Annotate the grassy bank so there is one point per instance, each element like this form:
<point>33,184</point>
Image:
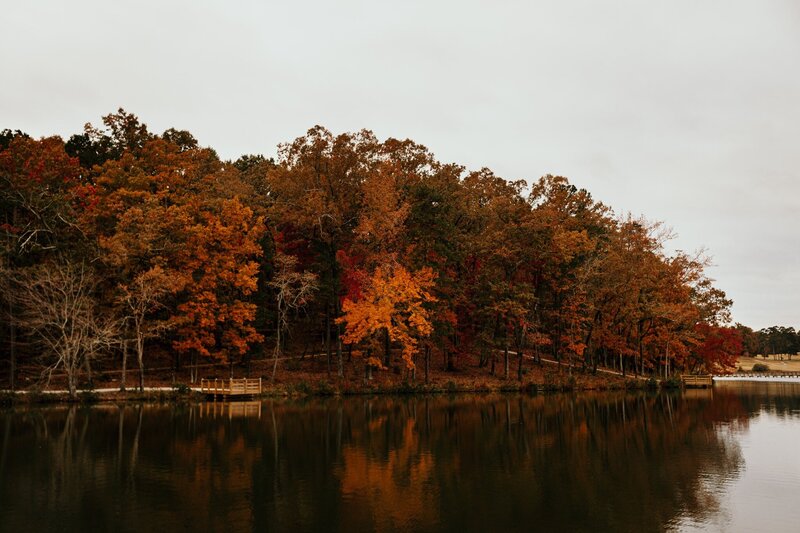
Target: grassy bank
<point>310,377</point>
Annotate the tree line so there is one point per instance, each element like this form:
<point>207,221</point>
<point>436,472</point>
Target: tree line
<point>124,243</point>
<point>774,340</point>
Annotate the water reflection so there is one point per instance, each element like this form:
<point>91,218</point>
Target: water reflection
<point>595,462</point>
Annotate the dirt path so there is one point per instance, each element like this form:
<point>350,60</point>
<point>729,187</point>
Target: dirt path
<point>599,369</point>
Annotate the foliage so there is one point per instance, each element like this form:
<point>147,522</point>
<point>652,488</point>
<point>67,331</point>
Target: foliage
<point>207,258</point>
<point>393,302</point>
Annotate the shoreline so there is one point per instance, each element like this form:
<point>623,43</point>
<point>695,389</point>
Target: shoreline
<point>299,385</point>
<point>754,378</point>
<point>180,393</point>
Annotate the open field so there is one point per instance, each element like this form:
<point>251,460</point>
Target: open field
<point>775,365</point>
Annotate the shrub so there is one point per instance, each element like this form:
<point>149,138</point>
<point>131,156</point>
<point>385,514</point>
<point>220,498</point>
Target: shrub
<point>181,388</point>
<point>483,387</point>
<point>303,387</point>
<point>632,384</point>
<point>760,367</point>
<point>406,388</point>
<point>510,387</point>
<point>88,397</point>
<point>451,386</point>
<point>325,389</point>
<point>673,382</point>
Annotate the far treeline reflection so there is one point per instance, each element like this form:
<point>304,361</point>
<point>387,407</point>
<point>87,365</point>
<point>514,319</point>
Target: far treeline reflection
<point>597,462</point>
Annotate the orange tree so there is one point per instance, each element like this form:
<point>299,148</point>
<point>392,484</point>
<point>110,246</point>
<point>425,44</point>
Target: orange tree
<point>393,301</point>
<point>163,202</point>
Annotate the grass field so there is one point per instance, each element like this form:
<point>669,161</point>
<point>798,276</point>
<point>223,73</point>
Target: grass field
<point>775,365</point>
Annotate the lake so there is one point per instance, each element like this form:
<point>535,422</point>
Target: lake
<point>721,460</point>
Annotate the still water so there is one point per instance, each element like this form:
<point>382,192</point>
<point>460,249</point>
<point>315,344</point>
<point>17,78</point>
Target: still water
<point>727,460</point>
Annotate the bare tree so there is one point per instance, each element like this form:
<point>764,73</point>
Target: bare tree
<point>57,307</point>
<point>292,291</point>
<point>142,298</point>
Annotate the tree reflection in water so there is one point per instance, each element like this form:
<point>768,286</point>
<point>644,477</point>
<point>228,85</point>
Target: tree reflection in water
<point>591,462</point>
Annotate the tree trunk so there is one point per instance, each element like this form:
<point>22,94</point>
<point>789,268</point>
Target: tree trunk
<point>124,366</point>
<point>641,362</point>
<point>12,327</point>
<point>88,366</point>
<point>277,351</point>
<point>387,353</point>
<point>427,362</point>
<point>140,360</point>
<point>505,358</point>
<point>70,370</point>
<point>193,367</point>
<point>12,347</point>
<point>340,369</point>
<point>519,364</point>
<point>368,366</point>
<point>328,350</point>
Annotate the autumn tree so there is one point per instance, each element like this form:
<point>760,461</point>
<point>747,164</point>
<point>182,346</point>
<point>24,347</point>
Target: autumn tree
<point>437,235</point>
<point>569,226</point>
<point>121,132</point>
<point>501,255</point>
<point>719,349</point>
<point>214,319</point>
<point>405,251</point>
<point>40,191</point>
<point>166,205</point>
<point>314,203</point>
<point>393,301</point>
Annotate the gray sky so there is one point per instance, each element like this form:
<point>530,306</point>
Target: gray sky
<point>686,111</point>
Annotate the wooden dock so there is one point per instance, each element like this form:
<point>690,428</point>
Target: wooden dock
<point>699,382</point>
<point>230,388</point>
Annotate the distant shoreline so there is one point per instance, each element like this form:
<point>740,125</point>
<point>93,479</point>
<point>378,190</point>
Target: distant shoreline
<point>773,378</point>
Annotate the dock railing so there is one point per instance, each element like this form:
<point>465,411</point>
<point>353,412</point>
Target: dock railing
<point>697,381</point>
<point>231,387</point>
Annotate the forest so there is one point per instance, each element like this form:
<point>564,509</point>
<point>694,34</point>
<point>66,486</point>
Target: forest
<point>122,248</point>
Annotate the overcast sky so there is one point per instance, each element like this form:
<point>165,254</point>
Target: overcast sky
<point>686,111</point>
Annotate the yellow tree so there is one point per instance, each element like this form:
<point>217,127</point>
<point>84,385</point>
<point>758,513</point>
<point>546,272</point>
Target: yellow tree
<point>393,301</point>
